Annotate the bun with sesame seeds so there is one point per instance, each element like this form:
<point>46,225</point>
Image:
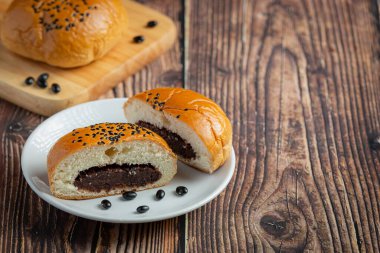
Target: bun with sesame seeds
<point>108,159</point>
<point>194,126</point>
<point>63,33</point>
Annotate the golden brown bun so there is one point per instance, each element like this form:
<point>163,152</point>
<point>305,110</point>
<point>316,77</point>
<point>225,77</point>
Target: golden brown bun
<point>201,114</point>
<point>89,138</point>
<point>63,33</point>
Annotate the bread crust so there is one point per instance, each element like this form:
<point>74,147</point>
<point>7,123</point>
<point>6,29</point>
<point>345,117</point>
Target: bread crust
<point>71,35</point>
<point>200,113</point>
<point>105,134</point>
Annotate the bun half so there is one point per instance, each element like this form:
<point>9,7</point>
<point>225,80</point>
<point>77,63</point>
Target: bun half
<point>194,126</point>
<point>107,159</point>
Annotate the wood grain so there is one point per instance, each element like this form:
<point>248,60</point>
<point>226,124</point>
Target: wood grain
<point>28,224</point>
<point>299,80</point>
<point>88,82</point>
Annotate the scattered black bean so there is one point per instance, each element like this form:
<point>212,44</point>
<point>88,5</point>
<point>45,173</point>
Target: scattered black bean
<point>106,203</point>
<point>374,141</point>
<point>160,194</point>
<point>138,39</point>
<point>152,23</point>
<point>181,190</point>
<point>142,209</point>
<point>43,77</point>
<point>29,80</point>
<point>55,88</point>
<point>129,195</point>
<point>42,84</point>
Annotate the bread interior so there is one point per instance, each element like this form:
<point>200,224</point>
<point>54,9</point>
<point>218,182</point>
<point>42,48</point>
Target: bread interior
<point>137,110</point>
<point>132,153</point>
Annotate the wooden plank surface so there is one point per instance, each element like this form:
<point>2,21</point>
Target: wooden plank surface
<point>88,82</point>
<point>28,224</point>
<point>299,80</point>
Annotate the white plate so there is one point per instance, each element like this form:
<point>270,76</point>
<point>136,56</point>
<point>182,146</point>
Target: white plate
<point>202,187</point>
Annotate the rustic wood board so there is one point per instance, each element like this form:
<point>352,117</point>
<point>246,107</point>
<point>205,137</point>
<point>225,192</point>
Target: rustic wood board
<point>88,82</point>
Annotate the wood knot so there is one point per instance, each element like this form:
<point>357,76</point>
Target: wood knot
<point>284,229</point>
<point>273,225</point>
<point>15,127</point>
<point>171,77</point>
<point>18,132</point>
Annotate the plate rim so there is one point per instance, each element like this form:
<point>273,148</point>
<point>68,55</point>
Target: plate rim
<point>48,198</point>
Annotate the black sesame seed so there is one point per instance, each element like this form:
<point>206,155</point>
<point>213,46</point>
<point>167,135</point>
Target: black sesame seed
<point>55,88</point>
<point>152,23</point>
<point>177,116</point>
<point>42,84</point>
<point>29,80</point>
<point>43,77</point>
<point>142,209</point>
<point>181,190</point>
<point>138,39</point>
<point>106,203</point>
<point>160,194</point>
<point>129,195</point>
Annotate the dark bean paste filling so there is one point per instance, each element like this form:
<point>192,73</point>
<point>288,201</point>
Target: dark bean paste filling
<point>96,179</point>
<point>175,142</point>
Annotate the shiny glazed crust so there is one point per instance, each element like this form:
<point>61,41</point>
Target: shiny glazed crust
<point>105,134</point>
<point>63,33</point>
<point>200,113</point>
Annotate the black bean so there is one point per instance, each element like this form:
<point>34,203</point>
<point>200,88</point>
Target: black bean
<point>55,88</point>
<point>142,209</point>
<point>138,39</point>
<point>43,77</point>
<point>106,203</point>
<point>42,84</point>
<point>152,23</point>
<point>129,195</point>
<point>181,190</point>
<point>29,80</point>
<point>160,194</point>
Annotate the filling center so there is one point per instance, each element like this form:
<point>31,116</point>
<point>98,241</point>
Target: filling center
<point>175,142</point>
<point>111,176</point>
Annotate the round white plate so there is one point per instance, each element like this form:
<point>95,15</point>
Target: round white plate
<point>202,187</point>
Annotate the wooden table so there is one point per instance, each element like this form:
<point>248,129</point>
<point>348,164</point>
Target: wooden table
<point>299,80</point>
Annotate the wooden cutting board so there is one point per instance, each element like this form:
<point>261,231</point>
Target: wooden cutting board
<point>88,82</point>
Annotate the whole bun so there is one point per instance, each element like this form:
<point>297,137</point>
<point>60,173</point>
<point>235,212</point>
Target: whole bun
<point>107,159</point>
<point>194,126</point>
<point>65,34</point>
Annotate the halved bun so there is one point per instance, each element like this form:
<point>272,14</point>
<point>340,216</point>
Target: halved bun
<point>81,164</point>
<point>63,33</point>
<point>187,115</point>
